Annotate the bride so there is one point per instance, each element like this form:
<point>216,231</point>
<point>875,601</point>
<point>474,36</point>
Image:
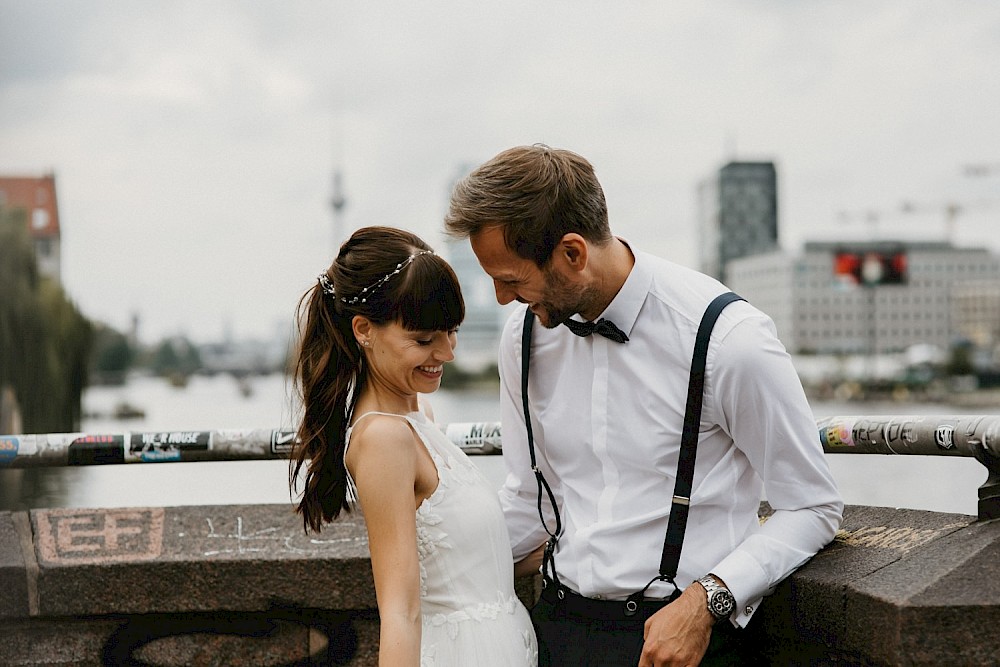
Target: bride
<point>375,333</point>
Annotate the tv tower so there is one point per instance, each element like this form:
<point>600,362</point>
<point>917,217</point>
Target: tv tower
<point>338,202</point>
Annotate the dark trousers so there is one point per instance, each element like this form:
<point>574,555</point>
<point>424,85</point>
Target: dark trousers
<point>570,639</point>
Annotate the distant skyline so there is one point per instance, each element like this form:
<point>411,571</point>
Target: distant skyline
<point>195,144</point>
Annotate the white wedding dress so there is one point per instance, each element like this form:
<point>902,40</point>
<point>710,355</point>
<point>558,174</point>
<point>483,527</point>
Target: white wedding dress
<point>471,616</point>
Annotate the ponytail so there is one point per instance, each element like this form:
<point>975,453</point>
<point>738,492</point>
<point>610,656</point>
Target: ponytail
<point>327,375</point>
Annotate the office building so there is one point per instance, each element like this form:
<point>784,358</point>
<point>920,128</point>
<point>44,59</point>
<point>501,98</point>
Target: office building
<point>738,215</point>
<point>875,296</point>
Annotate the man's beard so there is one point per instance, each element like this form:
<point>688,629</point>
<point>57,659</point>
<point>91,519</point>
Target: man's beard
<point>562,300</point>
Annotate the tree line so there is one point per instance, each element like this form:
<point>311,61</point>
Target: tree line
<point>45,341</point>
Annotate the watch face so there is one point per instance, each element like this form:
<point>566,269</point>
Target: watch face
<point>721,604</point>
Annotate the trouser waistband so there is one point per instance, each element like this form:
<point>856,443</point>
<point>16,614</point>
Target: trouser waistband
<point>572,603</point>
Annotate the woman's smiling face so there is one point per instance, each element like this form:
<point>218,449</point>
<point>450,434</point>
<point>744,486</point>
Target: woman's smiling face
<point>408,362</point>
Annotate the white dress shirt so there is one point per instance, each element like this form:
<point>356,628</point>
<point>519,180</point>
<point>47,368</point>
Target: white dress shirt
<point>607,420</point>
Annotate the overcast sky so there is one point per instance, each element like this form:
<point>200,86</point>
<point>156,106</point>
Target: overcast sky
<point>194,142</point>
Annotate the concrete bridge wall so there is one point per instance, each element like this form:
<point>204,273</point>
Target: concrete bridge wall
<point>243,585</point>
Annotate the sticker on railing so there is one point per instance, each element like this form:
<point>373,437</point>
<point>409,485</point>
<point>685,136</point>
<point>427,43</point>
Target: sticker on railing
<point>282,441</point>
<point>944,436</point>
<point>475,437</point>
<point>8,449</point>
<point>837,434</point>
<point>166,446</point>
<point>88,450</point>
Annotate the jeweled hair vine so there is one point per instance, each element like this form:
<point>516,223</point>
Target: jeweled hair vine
<point>362,297</point>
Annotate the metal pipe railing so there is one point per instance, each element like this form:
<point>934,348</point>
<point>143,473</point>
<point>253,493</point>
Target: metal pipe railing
<point>76,449</point>
<point>977,436</point>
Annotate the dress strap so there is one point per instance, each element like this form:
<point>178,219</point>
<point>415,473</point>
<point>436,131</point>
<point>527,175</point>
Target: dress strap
<point>352,489</point>
<point>372,412</point>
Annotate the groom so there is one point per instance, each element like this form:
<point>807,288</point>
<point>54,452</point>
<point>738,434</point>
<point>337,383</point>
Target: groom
<point>606,412</point>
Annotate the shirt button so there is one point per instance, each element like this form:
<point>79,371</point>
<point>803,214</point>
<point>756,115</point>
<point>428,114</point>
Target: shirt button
<point>748,610</point>
<point>598,597</point>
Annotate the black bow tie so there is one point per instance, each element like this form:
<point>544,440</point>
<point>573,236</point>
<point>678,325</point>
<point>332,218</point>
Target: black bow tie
<point>602,327</point>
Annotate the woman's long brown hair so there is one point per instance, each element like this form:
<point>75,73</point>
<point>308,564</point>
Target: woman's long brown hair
<point>330,371</point>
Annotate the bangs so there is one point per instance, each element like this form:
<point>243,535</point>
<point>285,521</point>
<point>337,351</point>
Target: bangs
<point>430,298</point>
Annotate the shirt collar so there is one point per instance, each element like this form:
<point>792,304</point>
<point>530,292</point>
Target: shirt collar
<point>624,308</point>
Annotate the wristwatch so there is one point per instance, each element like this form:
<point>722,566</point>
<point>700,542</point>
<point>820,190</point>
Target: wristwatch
<point>720,601</point>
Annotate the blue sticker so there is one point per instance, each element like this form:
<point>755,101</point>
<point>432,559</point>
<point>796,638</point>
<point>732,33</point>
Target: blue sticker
<point>159,456</point>
<point>8,449</point>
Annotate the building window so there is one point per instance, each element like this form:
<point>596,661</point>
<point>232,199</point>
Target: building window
<point>39,218</point>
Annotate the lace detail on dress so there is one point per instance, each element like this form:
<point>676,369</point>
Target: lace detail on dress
<point>428,655</point>
<point>478,613</point>
<point>463,472</point>
<point>430,538</point>
<point>530,647</point>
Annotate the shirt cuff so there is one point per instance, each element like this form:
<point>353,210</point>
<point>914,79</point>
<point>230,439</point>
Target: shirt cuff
<point>745,579</point>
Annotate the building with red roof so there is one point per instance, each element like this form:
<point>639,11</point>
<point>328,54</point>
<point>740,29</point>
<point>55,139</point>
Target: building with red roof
<point>36,196</point>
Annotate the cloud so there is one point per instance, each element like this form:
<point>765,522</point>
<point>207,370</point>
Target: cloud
<point>194,143</point>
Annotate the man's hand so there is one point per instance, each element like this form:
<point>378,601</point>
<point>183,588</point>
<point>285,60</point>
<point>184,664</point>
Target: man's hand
<point>530,564</point>
<point>678,634</point>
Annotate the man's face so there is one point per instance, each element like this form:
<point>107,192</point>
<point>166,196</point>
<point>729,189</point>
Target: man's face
<point>550,293</point>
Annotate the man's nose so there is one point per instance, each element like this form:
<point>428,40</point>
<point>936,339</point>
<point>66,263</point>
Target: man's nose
<point>504,293</point>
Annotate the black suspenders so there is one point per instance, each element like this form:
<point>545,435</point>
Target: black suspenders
<point>677,523</point>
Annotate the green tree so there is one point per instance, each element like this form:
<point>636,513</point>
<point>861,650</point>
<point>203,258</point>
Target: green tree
<point>45,341</point>
<point>113,355</point>
<point>176,357</point>
<point>960,359</point>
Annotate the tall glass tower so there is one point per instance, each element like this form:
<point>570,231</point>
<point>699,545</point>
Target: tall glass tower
<point>738,208</point>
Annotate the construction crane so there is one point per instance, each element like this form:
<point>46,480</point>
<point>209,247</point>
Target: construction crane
<point>868,216</point>
<point>949,210</point>
<point>980,170</point>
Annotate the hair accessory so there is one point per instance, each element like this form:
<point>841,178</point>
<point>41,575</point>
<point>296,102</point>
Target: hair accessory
<point>325,283</point>
<point>363,296</point>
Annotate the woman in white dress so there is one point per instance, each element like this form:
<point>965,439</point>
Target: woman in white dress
<point>376,331</point>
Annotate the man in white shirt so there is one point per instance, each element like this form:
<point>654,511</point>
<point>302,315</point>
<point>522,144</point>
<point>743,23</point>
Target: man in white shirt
<point>607,413</point>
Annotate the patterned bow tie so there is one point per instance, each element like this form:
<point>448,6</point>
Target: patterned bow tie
<point>602,327</point>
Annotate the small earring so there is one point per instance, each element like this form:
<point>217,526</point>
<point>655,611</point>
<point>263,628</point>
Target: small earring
<point>366,343</point>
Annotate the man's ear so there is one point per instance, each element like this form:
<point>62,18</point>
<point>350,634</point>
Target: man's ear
<point>572,250</point>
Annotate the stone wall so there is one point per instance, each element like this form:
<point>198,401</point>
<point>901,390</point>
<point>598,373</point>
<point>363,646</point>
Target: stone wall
<point>243,585</point>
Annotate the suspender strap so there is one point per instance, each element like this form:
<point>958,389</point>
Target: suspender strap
<point>689,439</point>
<point>548,559</point>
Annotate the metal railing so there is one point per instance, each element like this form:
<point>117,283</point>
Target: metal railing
<point>976,436</point>
<point>81,449</point>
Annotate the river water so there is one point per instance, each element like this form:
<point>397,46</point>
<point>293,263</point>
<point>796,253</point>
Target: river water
<point>945,484</point>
